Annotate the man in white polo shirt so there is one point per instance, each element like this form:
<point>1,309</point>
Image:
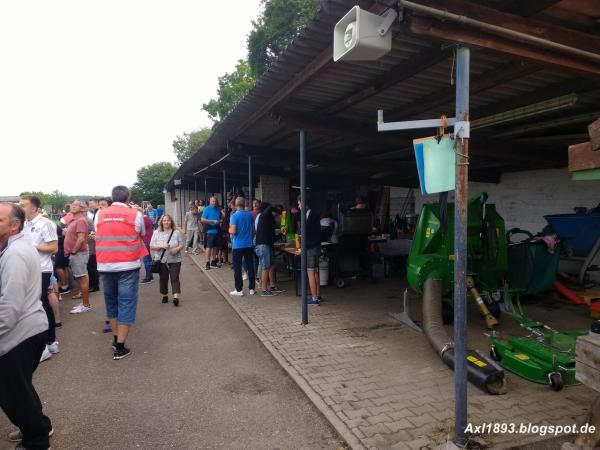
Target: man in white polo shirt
<point>41,232</point>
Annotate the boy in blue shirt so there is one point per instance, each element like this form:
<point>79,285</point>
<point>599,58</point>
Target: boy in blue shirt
<point>211,218</point>
<point>241,229</point>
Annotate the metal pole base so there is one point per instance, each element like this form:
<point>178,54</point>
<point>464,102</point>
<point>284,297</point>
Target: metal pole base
<point>404,316</point>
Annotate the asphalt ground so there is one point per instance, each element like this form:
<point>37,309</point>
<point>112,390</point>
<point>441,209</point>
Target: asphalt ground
<point>198,378</point>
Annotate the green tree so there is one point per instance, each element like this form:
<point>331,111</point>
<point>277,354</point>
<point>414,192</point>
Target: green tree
<point>274,30</point>
<point>58,200</point>
<point>151,181</point>
<point>55,200</point>
<point>188,144</point>
<point>232,88</point>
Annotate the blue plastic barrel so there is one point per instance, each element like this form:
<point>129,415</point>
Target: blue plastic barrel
<point>577,231</point>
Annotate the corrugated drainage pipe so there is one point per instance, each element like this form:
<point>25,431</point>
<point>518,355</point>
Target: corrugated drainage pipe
<point>481,371</point>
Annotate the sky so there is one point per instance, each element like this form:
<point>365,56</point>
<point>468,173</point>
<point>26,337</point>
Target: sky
<point>91,91</point>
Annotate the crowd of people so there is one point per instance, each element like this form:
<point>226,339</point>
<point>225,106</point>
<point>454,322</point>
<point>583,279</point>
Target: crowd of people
<point>102,245</point>
<point>251,234</point>
<point>97,245</point>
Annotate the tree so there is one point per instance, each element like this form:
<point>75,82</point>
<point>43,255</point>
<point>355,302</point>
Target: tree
<point>232,88</point>
<point>58,200</point>
<point>188,144</point>
<point>274,30</point>
<point>151,181</point>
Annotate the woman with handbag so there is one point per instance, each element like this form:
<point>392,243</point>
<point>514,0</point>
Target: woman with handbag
<point>167,244</point>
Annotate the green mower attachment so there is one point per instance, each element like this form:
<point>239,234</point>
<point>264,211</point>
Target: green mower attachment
<point>545,356</point>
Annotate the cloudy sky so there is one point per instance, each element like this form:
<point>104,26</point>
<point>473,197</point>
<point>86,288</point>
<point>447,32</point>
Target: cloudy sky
<point>90,91</point>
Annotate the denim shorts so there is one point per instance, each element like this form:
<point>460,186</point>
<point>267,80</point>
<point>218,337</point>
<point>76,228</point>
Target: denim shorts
<point>312,258</point>
<point>78,264</point>
<point>121,294</point>
<point>265,256</point>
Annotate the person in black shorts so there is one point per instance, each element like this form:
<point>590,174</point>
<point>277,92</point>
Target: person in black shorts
<point>212,219</point>
<point>61,264</point>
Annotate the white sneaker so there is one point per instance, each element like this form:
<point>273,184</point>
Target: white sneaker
<point>252,292</point>
<point>45,354</point>
<point>245,276</point>
<point>53,348</point>
<point>236,293</point>
<point>17,436</point>
<point>81,309</point>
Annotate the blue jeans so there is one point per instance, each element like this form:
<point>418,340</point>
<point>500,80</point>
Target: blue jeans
<point>264,256</point>
<point>121,294</point>
<point>148,263</point>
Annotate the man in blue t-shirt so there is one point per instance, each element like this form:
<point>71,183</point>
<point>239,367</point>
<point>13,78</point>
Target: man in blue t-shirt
<point>212,218</point>
<point>159,213</point>
<point>241,229</point>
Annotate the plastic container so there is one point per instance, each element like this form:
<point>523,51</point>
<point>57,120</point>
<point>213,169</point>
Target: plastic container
<point>579,232</point>
<point>323,272</point>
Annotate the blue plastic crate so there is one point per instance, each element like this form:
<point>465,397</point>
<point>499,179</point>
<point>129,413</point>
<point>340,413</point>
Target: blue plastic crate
<point>577,231</point>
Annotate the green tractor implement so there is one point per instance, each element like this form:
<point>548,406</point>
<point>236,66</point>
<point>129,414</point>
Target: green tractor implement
<point>430,271</point>
<point>545,356</point>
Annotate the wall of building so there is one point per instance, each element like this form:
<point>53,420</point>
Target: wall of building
<point>523,198</point>
<point>275,190</point>
<point>176,203</point>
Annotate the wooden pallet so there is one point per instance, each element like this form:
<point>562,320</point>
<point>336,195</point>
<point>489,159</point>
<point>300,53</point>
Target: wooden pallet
<point>590,296</point>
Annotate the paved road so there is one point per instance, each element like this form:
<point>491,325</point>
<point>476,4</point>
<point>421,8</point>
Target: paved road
<point>198,379</point>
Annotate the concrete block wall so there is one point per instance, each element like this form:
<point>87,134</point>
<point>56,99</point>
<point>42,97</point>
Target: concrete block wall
<point>275,190</point>
<point>183,196</point>
<point>398,196</point>
<point>523,198</point>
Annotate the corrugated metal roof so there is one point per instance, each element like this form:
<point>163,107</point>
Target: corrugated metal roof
<point>317,91</point>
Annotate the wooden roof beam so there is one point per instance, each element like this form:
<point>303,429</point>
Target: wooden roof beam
<point>487,80</point>
<point>335,126</point>
<point>528,8</point>
<point>451,32</point>
<point>513,22</point>
<point>403,71</point>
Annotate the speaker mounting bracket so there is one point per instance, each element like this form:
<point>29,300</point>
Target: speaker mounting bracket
<point>388,20</point>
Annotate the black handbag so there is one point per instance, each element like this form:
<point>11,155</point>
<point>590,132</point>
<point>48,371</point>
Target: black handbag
<point>157,263</point>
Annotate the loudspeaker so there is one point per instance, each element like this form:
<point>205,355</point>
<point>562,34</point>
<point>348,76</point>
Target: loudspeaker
<point>357,37</point>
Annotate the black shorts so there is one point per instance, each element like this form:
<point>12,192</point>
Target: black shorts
<point>213,240</point>
<point>224,244</point>
<point>61,261</point>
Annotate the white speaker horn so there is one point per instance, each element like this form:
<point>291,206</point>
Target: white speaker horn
<point>361,35</point>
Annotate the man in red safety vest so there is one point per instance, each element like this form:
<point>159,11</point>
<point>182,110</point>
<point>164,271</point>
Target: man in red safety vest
<point>119,247</point>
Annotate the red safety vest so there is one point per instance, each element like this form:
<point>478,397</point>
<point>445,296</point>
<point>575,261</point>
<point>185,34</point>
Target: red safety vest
<point>116,237</point>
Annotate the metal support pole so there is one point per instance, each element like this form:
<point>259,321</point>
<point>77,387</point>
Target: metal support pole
<point>250,193</point>
<point>181,203</point>
<point>195,189</point>
<point>205,192</point>
<point>460,249</point>
<point>224,191</point>
<point>303,211</point>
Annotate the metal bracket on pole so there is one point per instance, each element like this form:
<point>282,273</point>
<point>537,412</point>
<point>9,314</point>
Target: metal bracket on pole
<point>462,130</point>
<point>411,124</point>
<point>387,22</point>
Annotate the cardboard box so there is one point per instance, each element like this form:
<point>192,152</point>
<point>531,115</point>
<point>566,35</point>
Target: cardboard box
<point>587,360</point>
<point>594,131</point>
<point>582,157</point>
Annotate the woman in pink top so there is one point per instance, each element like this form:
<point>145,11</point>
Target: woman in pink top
<point>148,259</point>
